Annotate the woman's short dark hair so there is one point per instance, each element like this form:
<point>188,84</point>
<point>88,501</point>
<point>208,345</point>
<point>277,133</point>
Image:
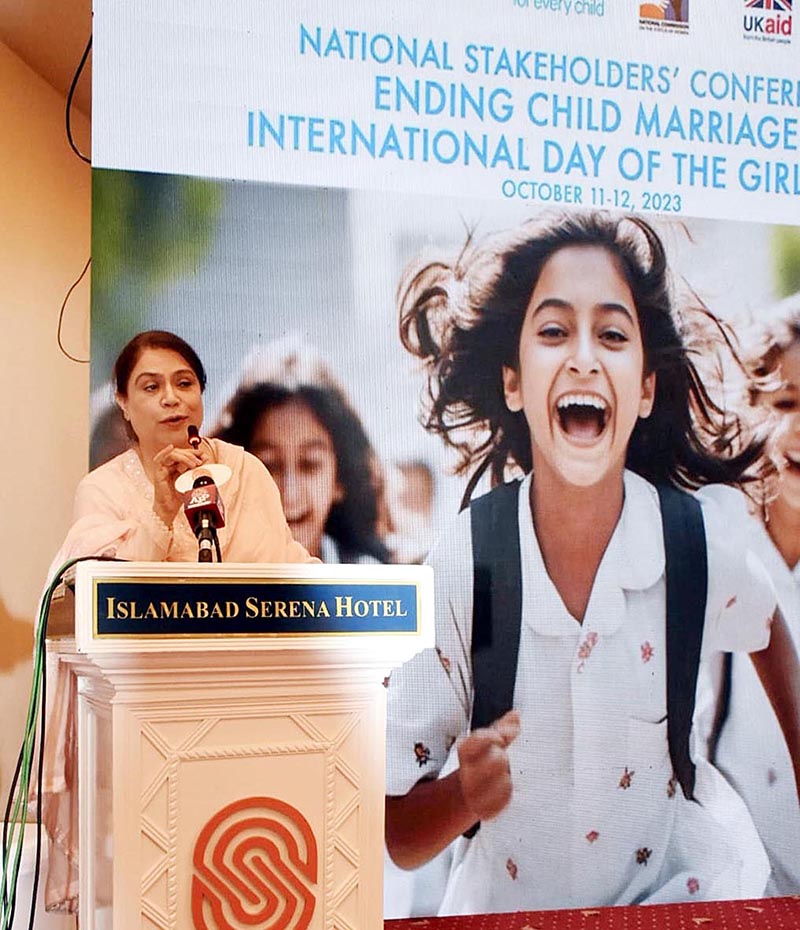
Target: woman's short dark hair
<point>463,318</point>
<point>352,521</point>
<point>153,339</point>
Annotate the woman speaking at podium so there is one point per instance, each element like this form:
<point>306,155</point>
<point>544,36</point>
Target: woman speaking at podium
<point>129,507</point>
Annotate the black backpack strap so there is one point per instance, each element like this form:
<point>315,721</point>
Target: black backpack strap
<point>687,583</point>
<point>496,605</point>
<point>496,602</point>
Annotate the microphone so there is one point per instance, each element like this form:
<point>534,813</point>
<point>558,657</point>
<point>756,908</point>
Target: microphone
<point>218,473</point>
<point>205,512</point>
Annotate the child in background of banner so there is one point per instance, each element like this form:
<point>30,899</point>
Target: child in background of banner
<point>411,490</point>
<point>289,410</point>
<point>555,350</point>
<point>750,749</point>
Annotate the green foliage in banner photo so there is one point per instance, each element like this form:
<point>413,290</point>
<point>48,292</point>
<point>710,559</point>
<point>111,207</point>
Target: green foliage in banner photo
<point>787,260</point>
<point>148,230</point>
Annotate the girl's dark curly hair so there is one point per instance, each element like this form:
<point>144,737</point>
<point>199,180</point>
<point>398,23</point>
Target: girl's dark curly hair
<point>463,319</point>
<point>352,521</point>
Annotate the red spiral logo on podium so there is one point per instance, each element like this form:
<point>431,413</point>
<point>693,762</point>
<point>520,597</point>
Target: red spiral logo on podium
<point>255,863</point>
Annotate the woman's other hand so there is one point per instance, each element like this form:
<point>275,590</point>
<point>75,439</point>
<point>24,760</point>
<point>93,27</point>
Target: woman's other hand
<point>169,464</point>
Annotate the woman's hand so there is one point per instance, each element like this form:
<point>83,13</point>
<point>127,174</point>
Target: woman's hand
<point>168,464</point>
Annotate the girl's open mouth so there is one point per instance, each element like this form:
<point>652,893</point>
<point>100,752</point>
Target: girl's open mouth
<point>582,417</point>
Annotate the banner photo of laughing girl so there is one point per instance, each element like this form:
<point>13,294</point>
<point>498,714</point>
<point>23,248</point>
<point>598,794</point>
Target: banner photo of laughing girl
<point>586,421</point>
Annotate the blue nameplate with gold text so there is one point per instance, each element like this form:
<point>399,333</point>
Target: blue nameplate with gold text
<point>252,607</point>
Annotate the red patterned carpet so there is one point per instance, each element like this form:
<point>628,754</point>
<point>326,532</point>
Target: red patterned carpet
<point>761,914</point>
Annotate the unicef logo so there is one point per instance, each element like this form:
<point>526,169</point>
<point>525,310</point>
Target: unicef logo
<point>255,865</point>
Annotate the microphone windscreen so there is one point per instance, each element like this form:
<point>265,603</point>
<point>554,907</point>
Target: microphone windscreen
<point>194,436</point>
<point>204,500</point>
<point>220,474</point>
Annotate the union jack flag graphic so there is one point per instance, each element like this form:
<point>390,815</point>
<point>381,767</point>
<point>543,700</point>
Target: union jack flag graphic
<point>784,6</point>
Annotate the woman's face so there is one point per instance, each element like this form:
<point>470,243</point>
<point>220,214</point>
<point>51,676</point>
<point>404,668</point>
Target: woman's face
<point>299,453</point>
<point>580,380</point>
<point>163,399</point>
<point>787,438</point>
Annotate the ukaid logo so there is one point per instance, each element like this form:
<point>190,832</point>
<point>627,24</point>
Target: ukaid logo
<point>768,20</point>
<point>665,15</point>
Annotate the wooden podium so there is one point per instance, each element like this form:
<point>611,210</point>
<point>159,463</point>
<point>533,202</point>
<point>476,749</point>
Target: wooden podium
<point>231,740</point>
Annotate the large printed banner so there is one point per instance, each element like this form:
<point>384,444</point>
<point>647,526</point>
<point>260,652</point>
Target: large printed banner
<point>654,107</point>
<point>332,202</point>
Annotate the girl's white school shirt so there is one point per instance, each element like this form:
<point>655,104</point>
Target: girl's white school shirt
<point>751,749</point>
<point>596,817</point>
